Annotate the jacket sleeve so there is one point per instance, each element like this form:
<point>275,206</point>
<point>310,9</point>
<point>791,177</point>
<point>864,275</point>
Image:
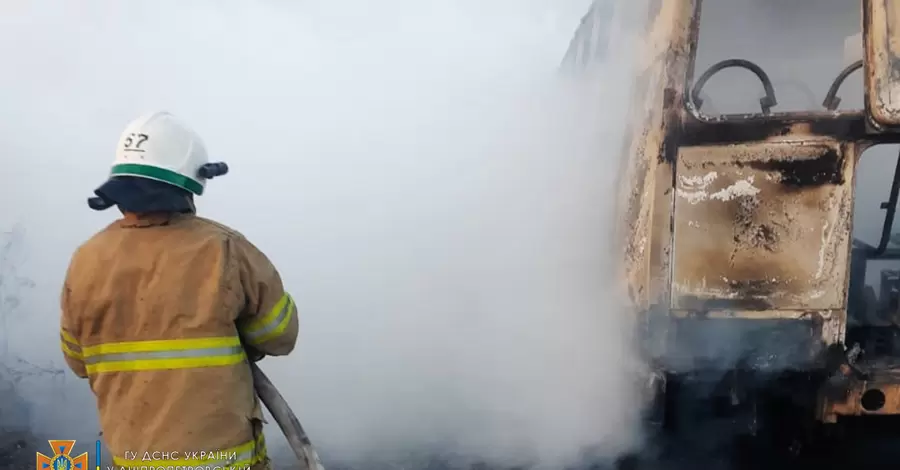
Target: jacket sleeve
<point>68,334</point>
<point>268,323</point>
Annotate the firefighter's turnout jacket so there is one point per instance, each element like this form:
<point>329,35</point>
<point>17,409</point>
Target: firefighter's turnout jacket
<point>156,313</point>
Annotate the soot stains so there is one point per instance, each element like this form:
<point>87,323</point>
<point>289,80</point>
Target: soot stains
<point>700,306</point>
<point>827,169</point>
<point>757,128</point>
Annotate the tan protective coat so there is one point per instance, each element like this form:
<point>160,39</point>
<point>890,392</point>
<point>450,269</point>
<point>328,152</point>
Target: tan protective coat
<point>174,277</point>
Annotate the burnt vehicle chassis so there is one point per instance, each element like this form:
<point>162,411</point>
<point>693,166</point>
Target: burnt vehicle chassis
<point>739,260</point>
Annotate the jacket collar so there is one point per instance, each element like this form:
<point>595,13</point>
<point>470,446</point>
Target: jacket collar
<point>133,220</point>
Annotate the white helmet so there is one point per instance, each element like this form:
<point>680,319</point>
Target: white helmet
<point>159,147</point>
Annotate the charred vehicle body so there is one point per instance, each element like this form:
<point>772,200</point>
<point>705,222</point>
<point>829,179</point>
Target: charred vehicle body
<point>740,254</point>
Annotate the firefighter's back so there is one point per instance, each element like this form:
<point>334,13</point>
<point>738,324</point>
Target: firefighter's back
<point>156,299</point>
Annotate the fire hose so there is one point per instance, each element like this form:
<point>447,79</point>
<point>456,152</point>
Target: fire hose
<point>286,419</point>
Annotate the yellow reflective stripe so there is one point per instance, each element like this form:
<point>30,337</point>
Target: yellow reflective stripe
<point>70,345</point>
<point>163,354</point>
<point>68,337</point>
<point>69,351</point>
<point>272,324</point>
<point>245,455</point>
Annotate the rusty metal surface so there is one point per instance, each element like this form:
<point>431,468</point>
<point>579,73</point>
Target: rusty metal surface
<point>747,216</point>
<point>851,405</point>
<point>782,253</point>
<point>647,200</point>
<point>881,22</point>
<point>769,314</point>
<point>801,166</point>
<point>861,396</point>
<point>768,236</point>
<point>762,226</point>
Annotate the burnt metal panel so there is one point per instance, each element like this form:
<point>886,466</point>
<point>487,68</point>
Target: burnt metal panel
<point>763,226</point>
<point>735,129</point>
<point>875,392</point>
<point>646,199</point>
<point>881,23</point>
<point>638,182</point>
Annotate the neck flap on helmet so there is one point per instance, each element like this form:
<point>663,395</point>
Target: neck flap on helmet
<point>141,195</point>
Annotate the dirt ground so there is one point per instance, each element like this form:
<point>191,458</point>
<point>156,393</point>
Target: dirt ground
<point>18,450</point>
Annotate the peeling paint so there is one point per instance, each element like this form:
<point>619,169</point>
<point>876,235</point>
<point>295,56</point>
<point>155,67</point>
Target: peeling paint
<point>699,182</point>
<point>694,197</point>
<point>775,244</point>
<point>823,250</point>
<point>772,219</point>
<point>693,188</point>
<point>833,330</point>
<point>741,188</point>
<point>697,194</point>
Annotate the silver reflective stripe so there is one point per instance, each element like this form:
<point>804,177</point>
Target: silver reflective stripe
<point>70,345</point>
<point>170,354</point>
<point>164,354</point>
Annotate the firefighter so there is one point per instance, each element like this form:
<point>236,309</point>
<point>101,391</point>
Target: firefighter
<point>162,310</point>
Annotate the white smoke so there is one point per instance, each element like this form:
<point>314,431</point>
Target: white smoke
<point>438,202</point>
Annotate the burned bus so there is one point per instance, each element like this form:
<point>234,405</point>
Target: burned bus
<point>759,184</point>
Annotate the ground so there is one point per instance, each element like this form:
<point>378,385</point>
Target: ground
<point>857,450</point>
<point>18,450</point>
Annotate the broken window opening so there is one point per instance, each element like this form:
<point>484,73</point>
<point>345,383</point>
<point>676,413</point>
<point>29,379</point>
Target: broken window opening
<point>798,49</point>
<point>874,291</point>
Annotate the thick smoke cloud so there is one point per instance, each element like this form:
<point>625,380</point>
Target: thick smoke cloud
<point>437,202</point>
